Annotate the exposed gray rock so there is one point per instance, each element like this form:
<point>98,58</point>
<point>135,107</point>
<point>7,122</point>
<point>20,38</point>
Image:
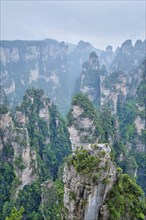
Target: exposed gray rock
<point>84,195</point>
<point>25,163</point>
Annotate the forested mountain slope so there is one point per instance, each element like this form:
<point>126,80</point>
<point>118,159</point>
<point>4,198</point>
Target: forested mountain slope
<point>103,135</point>
<point>33,145</point>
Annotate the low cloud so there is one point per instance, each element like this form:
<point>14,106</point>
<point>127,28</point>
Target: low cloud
<point>99,22</point>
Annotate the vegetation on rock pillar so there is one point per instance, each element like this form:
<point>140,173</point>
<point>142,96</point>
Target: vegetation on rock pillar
<point>125,200</point>
<point>16,214</point>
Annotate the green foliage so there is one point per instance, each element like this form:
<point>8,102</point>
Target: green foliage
<point>59,141</point>
<point>72,195</point>
<point>127,115</point>
<point>30,198</point>
<point>60,193</point>
<point>124,200</point>
<point>111,80</point>
<point>19,163</point>
<point>52,203</point>
<point>141,93</point>
<point>140,158</point>
<point>84,162</point>
<point>106,180</point>
<point>3,109</point>
<point>27,105</point>
<point>6,209</point>
<point>119,148</point>
<point>89,111</point>
<point>130,166</point>
<point>143,136</point>
<point>50,140</point>
<point>96,177</point>
<point>16,214</point>
<point>8,151</point>
<point>50,153</point>
<point>103,120</point>
<point>83,101</point>
<point>108,124</point>
<point>119,169</point>
<point>91,80</point>
<point>6,178</point>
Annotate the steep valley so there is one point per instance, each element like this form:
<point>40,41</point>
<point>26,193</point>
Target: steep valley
<point>90,163</point>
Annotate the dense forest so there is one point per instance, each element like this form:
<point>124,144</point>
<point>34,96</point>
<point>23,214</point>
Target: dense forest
<point>55,165</point>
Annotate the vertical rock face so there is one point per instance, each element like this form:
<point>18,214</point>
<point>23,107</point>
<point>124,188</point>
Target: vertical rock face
<point>24,158</point>
<point>128,60</point>
<point>47,64</point>
<point>80,136</point>
<point>84,124</point>
<point>25,163</point>
<point>6,126</point>
<point>128,57</point>
<point>94,189</point>
<point>120,76</point>
<point>86,184</point>
<point>54,67</point>
<point>113,87</point>
<point>89,173</point>
<point>46,128</point>
<point>90,80</point>
<point>33,144</point>
<point>42,64</point>
<point>124,73</point>
<point>3,98</point>
<point>107,57</point>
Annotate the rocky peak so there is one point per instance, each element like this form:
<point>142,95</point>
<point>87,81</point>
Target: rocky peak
<point>63,48</point>
<point>107,57</point>
<point>93,186</point>
<point>109,49</point>
<point>88,177</point>
<point>6,127</point>
<point>127,44</point>
<point>32,146</point>
<point>5,119</point>
<point>3,98</point>
<point>113,87</point>
<point>23,156</point>
<point>84,126</point>
<point>138,44</point>
<point>44,65</point>
<point>128,57</point>
<point>127,47</point>
<point>82,45</point>
<point>89,79</point>
<point>35,100</point>
<point>93,61</point>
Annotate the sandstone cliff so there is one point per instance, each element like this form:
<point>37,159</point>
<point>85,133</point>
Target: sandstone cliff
<point>88,177</point>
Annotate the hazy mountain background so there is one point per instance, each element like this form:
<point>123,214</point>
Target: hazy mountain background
<point>73,110</point>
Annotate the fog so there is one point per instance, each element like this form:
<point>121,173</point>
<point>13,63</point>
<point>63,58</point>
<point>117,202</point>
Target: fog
<point>99,22</point>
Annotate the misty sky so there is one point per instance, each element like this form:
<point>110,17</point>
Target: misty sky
<point>99,22</point>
